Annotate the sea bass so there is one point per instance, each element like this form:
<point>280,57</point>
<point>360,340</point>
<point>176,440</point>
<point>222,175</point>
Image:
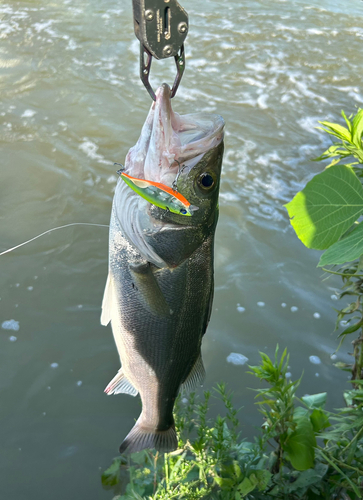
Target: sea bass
<point>159,290</point>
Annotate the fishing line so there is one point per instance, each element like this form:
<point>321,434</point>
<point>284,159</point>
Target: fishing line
<point>53,229</point>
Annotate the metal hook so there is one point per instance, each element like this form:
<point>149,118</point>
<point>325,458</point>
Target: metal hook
<point>180,170</point>
<point>121,169</point>
<point>146,65</point>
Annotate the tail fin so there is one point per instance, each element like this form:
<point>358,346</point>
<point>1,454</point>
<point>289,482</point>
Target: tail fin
<point>140,438</point>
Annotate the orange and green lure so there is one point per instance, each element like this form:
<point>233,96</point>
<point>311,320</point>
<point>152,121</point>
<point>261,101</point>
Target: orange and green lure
<point>160,195</point>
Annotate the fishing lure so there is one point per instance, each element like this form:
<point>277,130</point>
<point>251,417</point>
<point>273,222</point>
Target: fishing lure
<point>160,195</point>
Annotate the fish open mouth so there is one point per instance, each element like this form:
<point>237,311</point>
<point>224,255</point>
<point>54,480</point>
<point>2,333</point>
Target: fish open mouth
<point>169,140</point>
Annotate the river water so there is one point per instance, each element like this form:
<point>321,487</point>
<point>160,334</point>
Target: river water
<point>71,105</point>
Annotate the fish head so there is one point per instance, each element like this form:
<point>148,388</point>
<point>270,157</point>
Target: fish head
<point>199,184</point>
<point>182,156</point>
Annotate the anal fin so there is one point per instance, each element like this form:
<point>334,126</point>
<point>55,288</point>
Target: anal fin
<point>120,385</point>
<point>195,377</point>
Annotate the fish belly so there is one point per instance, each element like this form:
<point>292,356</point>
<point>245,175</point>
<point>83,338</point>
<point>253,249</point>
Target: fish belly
<point>158,318</point>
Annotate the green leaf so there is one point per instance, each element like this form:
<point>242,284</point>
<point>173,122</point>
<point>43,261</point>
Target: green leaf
<point>263,477</point>
<point>301,442</point>
<point>247,485</point>
<point>111,476</point>
<point>223,482</point>
<point>345,250</point>
<point>319,420</point>
<point>315,400</point>
<point>334,150</point>
<point>351,328</point>
<point>337,130</point>
<point>357,129</point>
<point>305,479</point>
<point>328,205</point>
<point>347,121</point>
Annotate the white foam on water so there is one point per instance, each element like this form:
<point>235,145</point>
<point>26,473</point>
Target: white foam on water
<point>90,148</point>
<point>54,365</point>
<point>315,360</point>
<point>236,358</point>
<point>333,357</point>
<point>261,101</point>
<point>111,179</point>
<point>294,309</point>
<point>309,123</point>
<point>28,113</point>
<point>313,31</point>
<point>198,63</point>
<point>283,304</point>
<point>316,315</point>
<point>12,338</point>
<point>240,309</point>
<point>46,27</point>
<point>288,374</point>
<point>30,288</point>
<point>334,297</point>
<point>10,324</point>
<point>226,196</point>
<point>79,383</point>
<point>261,304</point>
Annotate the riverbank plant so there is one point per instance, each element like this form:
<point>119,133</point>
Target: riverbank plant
<point>302,451</point>
<point>326,215</point>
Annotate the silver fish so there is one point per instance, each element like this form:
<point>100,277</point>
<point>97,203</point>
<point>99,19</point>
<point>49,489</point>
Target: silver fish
<point>159,290</point>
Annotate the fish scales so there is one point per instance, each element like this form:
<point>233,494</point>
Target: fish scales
<point>159,290</point>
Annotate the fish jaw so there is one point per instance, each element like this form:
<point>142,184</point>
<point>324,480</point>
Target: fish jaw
<point>169,141</point>
<point>155,150</point>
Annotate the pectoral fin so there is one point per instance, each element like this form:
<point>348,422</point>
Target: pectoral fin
<point>107,302</point>
<point>149,290</point>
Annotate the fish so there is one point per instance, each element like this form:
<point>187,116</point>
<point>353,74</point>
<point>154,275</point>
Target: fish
<point>159,289</point>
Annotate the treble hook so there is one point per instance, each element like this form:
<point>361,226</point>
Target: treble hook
<point>175,181</point>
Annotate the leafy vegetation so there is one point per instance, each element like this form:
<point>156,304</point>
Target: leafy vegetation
<point>326,215</point>
<point>303,451</point>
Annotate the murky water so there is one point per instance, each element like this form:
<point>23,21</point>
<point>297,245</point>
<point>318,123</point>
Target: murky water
<point>71,105</point>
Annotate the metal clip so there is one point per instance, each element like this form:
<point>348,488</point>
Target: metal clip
<point>161,26</point>
<point>145,65</point>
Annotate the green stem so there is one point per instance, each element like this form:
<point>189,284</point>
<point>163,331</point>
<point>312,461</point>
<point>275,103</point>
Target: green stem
<point>352,441</point>
<point>355,489</point>
<point>342,274</point>
<point>360,362</point>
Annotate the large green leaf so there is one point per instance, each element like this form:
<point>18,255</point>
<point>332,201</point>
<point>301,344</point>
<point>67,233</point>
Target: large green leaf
<point>301,442</point>
<point>328,205</point>
<point>345,250</point>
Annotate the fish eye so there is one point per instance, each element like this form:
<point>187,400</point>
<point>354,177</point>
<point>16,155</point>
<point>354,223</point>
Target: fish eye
<point>206,181</point>
<point>183,211</point>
